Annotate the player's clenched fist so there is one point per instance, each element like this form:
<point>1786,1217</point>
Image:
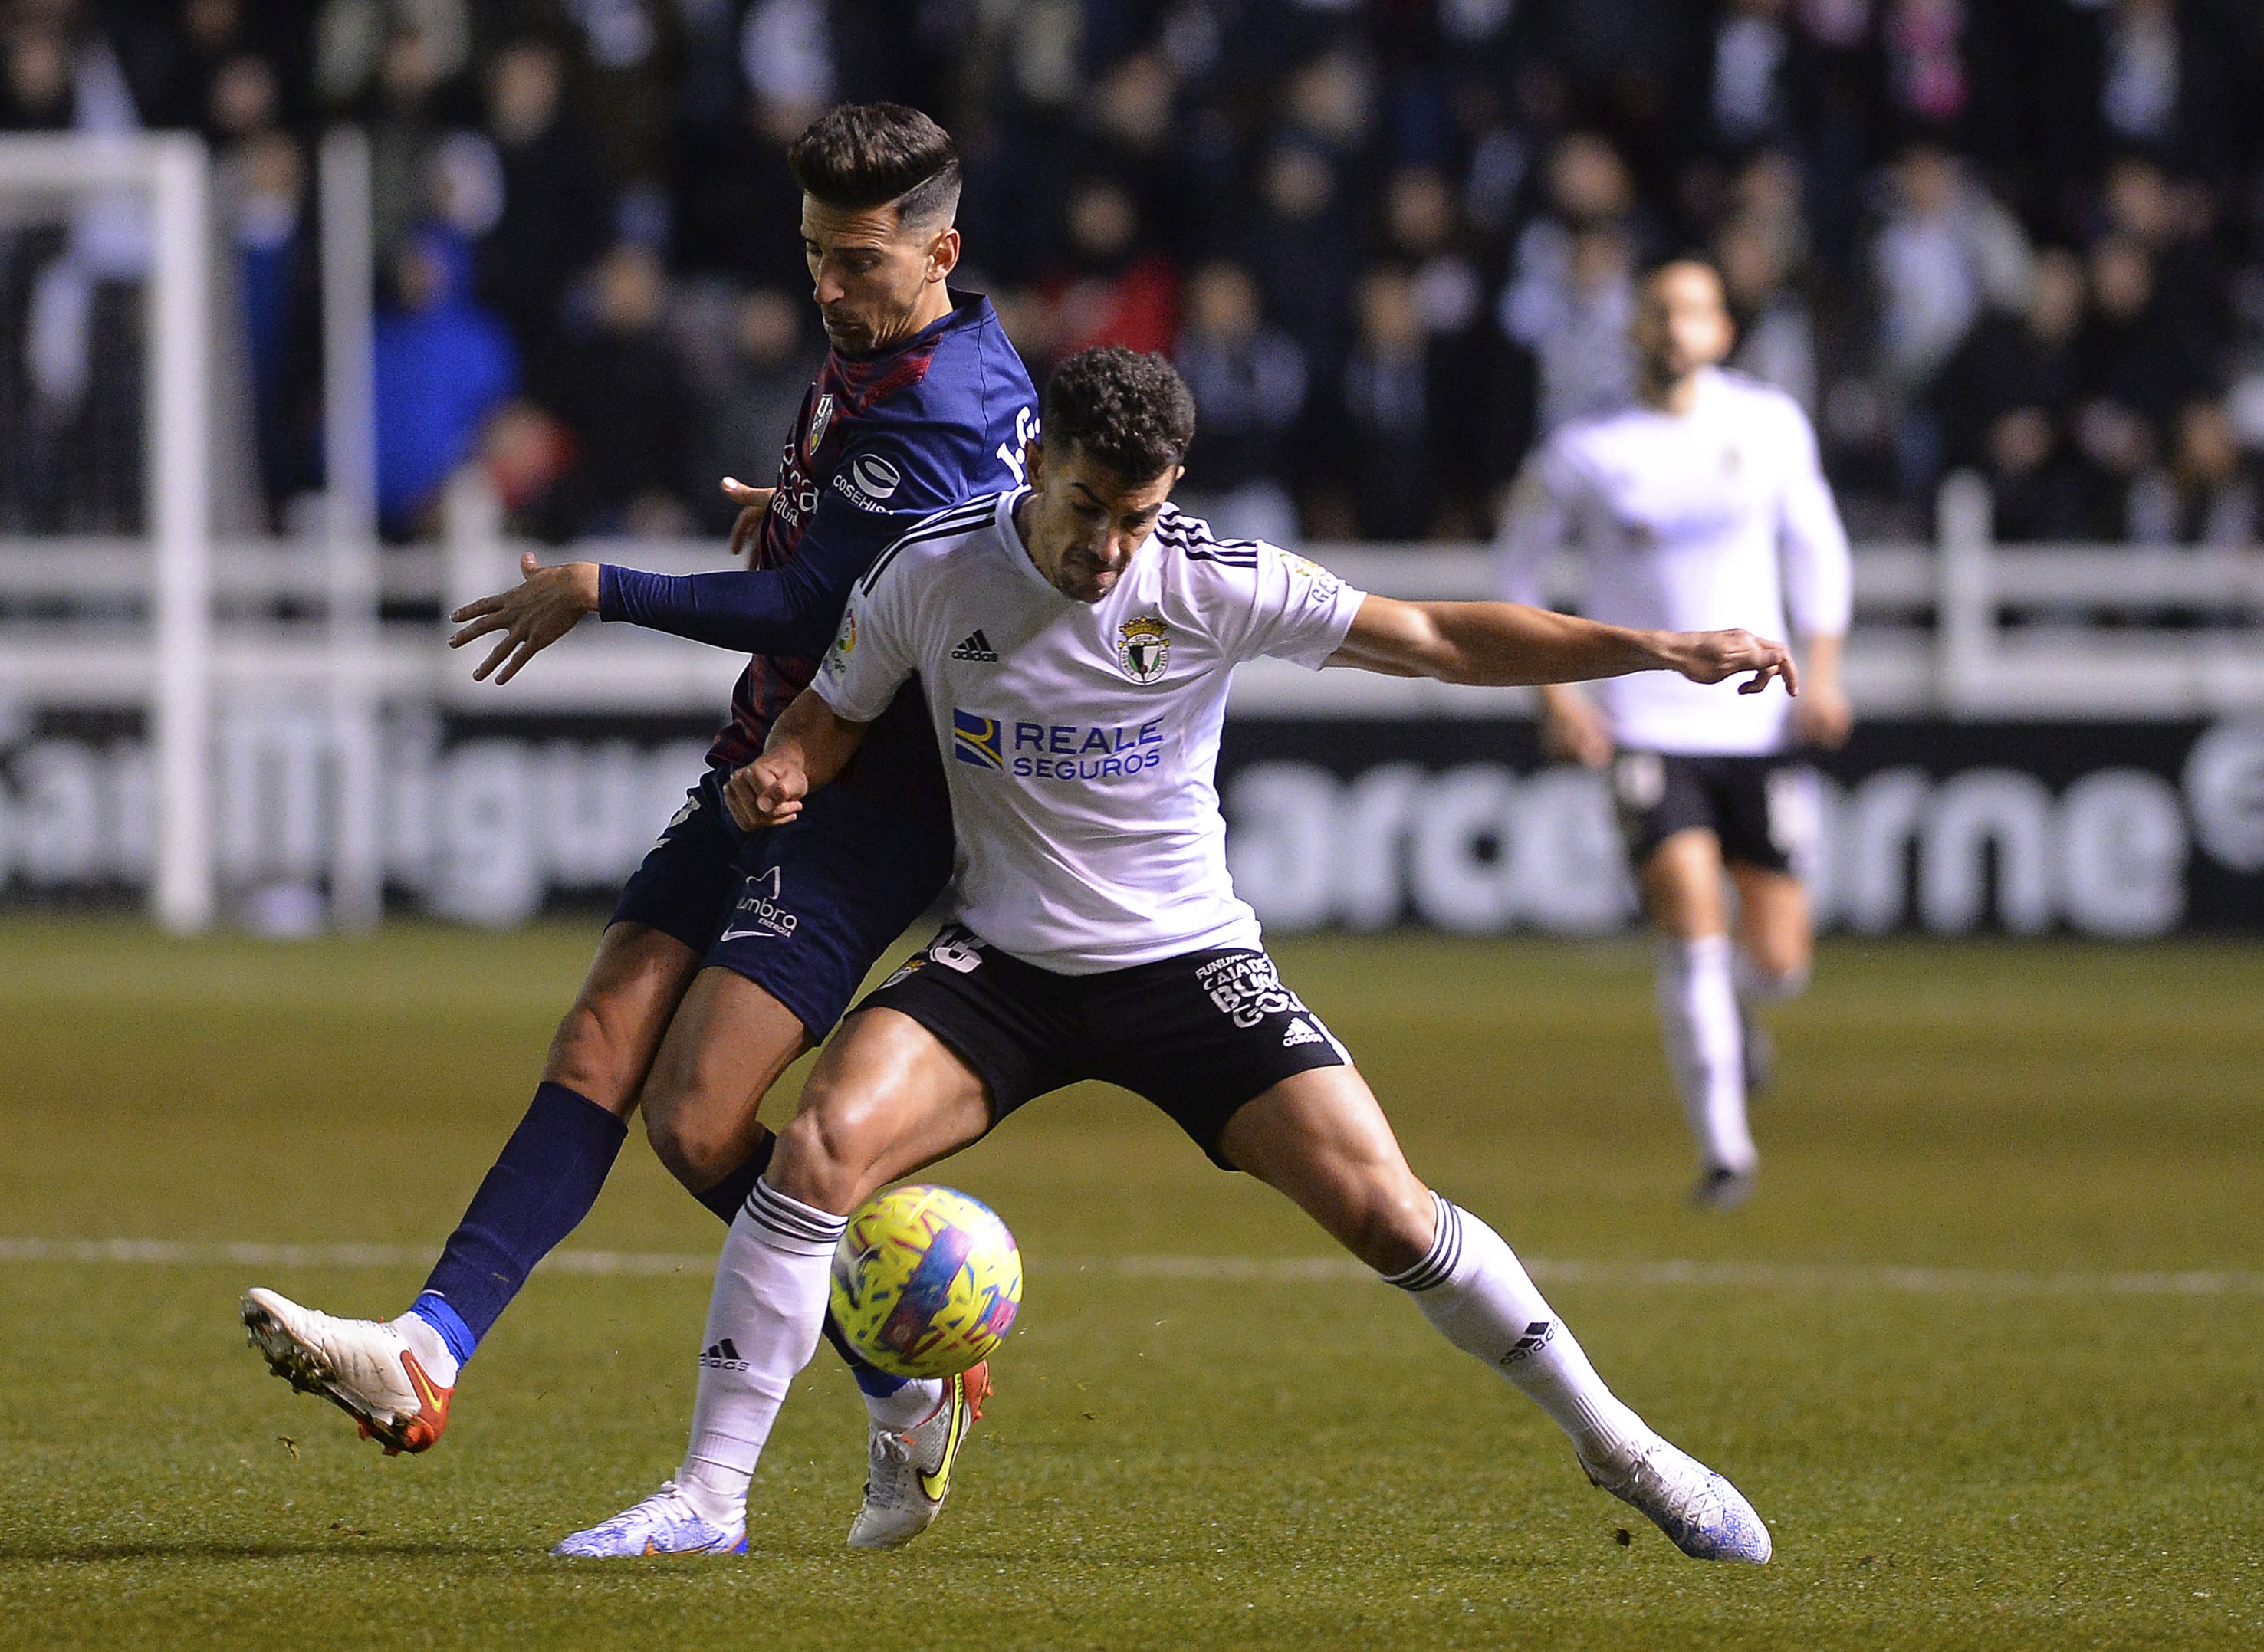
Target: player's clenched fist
<point>768,791</point>
<point>1714,656</point>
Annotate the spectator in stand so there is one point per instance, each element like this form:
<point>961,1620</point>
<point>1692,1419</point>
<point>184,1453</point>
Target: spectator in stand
<point>1299,245</point>
<point>1572,297</point>
<point>1776,339</point>
<point>2137,371</point>
<point>405,128</point>
<point>620,389</point>
<point>1423,227</point>
<point>2206,495</point>
<point>2174,224</point>
<point>1249,381</point>
<point>1747,99</point>
<point>557,204</point>
<point>751,413</point>
<point>1945,251</point>
<point>1115,288</point>
<point>262,184</point>
<point>1384,444</point>
<point>2004,401</point>
<point>443,366</point>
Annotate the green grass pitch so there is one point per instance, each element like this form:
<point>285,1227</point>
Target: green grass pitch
<point>2037,1438</point>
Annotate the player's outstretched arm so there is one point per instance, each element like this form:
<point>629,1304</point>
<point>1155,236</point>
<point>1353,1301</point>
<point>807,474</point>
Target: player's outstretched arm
<point>1504,644</point>
<point>810,745</point>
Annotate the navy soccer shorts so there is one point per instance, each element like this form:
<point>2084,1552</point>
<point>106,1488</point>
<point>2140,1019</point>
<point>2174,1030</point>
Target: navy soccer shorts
<point>804,910</point>
<point>1198,1035</point>
<point>1763,809</point>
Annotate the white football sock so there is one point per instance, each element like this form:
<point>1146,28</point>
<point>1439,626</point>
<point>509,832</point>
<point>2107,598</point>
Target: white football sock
<point>1756,985</point>
<point>1472,1286</point>
<point>763,1323</point>
<point>1705,1047</point>
<point>908,1407</point>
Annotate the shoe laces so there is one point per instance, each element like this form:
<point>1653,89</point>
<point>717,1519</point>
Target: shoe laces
<point>892,1455</point>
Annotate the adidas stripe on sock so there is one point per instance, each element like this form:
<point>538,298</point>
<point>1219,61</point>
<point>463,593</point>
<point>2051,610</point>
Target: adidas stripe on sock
<point>1471,1286</point>
<point>763,1320</point>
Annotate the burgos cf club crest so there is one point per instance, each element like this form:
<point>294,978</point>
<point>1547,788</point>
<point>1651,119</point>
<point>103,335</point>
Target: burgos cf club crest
<point>1143,647</point>
<point>821,417</point>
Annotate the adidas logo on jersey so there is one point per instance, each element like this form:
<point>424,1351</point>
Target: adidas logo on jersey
<point>977,647</point>
<point>1301,1031</point>
<point>723,1356</point>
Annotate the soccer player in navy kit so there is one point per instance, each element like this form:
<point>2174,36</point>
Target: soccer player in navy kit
<point>731,951</point>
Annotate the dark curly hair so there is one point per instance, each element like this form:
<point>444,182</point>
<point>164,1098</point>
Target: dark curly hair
<point>856,156</point>
<point>1129,412</point>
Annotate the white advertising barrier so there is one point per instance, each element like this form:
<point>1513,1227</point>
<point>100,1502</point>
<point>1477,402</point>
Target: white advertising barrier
<point>2111,829</point>
<point>2126,831</point>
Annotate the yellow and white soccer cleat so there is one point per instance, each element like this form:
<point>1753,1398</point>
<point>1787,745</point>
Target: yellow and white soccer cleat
<point>909,1472</point>
<point>365,1367</point>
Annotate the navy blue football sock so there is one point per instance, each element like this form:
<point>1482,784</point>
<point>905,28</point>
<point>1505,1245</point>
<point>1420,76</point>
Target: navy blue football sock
<point>544,1182</point>
<point>725,1198</point>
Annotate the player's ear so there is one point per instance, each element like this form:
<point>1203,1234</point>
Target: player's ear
<point>943,254</point>
<point>1033,456</point>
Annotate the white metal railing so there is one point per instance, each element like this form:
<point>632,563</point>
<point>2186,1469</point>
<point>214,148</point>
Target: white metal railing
<point>1961,627</point>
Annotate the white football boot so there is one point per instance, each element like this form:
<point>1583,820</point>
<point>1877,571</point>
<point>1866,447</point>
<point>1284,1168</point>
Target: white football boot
<point>1705,1517</point>
<point>908,1475</point>
<point>365,1367</point>
<point>665,1523</point>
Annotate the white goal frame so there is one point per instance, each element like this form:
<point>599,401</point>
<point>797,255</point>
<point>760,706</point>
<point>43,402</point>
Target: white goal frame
<point>173,173</point>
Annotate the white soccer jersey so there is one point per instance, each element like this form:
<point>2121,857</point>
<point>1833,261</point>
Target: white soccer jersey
<point>1718,517</point>
<point>1080,738</point>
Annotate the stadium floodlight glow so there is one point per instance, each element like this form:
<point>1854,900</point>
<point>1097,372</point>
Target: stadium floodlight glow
<point>172,173</point>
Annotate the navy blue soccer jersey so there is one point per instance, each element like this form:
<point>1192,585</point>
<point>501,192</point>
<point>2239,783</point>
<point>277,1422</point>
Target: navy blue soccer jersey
<point>882,441</point>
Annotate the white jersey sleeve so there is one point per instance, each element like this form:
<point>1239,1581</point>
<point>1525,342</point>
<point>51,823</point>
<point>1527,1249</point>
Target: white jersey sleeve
<point>1536,525</point>
<point>1298,611</point>
<point>873,652</point>
<point>1819,575</point>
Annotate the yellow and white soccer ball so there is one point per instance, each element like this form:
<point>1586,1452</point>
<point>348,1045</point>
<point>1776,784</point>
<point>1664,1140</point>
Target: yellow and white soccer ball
<point>925,1281</point>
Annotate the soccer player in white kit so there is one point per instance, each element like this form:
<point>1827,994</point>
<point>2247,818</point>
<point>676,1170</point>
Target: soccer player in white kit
<point>1074,640</point>
<point>1699,505</point>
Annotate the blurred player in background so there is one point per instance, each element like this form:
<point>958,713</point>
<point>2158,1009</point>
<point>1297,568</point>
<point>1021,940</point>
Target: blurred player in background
<point>1098,935</point>
<point>1700,506</point>
<point>732,953</point>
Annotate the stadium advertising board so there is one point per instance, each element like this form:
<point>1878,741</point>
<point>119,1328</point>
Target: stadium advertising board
<point>2129,829</point>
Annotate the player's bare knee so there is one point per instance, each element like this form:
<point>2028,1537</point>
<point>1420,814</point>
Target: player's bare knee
<point>698,1147</point>
<point>1776,967</point>
<point>1388,1220</point>
<point>826,1156</point>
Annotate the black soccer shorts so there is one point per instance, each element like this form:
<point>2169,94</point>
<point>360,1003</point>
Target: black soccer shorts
<point>1762,808</point>
<point>1198,1035</point>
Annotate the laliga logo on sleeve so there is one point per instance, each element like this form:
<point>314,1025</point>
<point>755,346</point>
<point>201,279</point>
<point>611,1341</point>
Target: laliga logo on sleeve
<point>1143,647</point>
<point>845,644</point>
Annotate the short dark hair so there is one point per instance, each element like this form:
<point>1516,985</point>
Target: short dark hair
<point>1131,413</point>
<point>858,155</point>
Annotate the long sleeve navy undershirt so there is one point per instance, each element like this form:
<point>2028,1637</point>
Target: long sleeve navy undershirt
<point>789,611</point>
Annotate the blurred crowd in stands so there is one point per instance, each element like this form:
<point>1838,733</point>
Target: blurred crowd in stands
<point>1390,243</point>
